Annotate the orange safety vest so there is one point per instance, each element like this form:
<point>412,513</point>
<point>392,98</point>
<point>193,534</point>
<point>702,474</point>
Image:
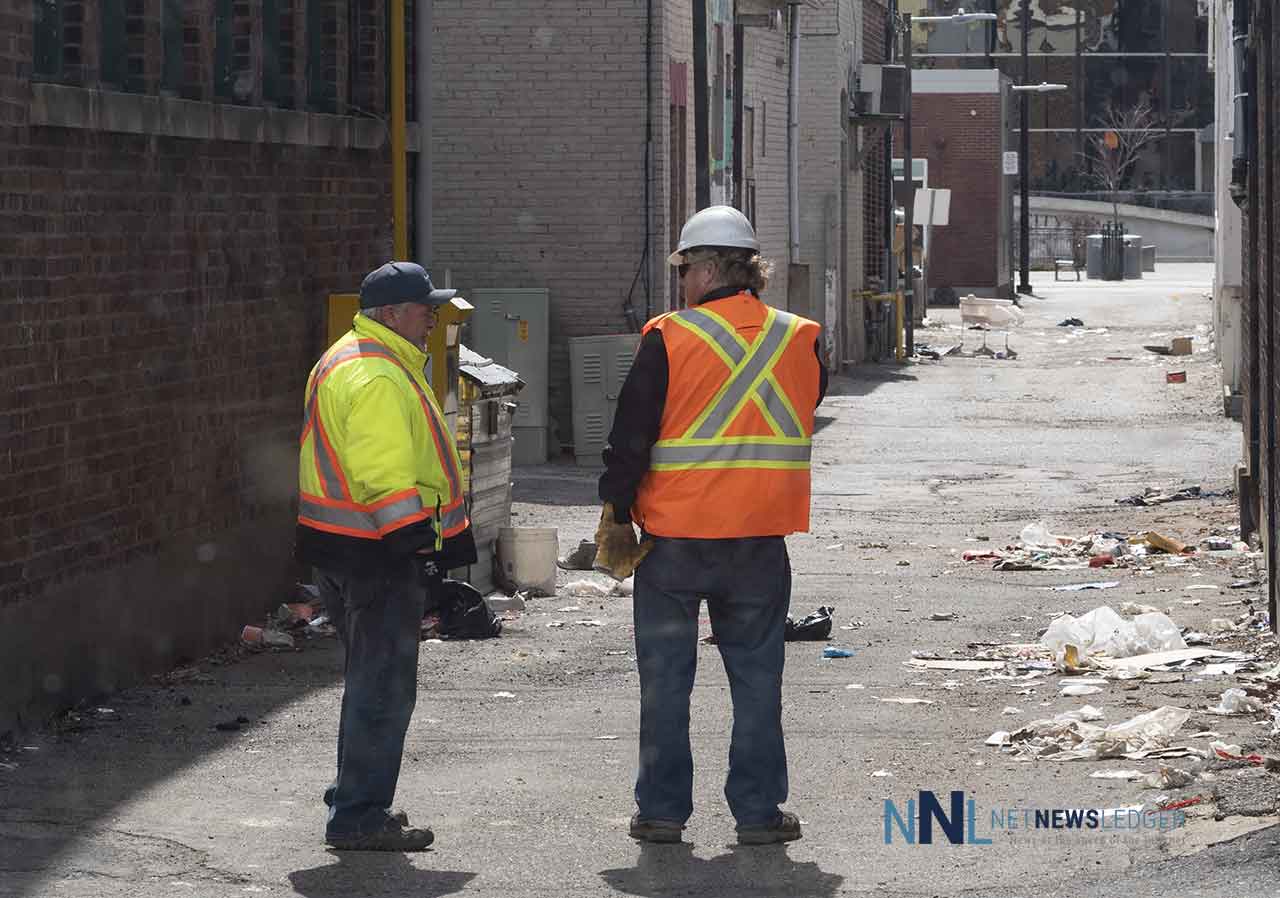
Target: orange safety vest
<point>732,456</point>
<point>354,491</point>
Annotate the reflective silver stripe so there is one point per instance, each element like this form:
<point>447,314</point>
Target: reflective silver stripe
<point>332,479</point>
<point>455,518</point>
<point>778,409</point>
<point>723,452</point>
<point>743,377</point>
<point>338,517</point>
<point>401,508</point>
<point>725,339</point>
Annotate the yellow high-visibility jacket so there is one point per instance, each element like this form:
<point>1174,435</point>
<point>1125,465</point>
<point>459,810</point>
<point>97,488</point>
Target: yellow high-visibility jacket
<point>378,476</point>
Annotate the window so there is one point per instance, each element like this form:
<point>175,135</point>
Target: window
<point>322,56</point>
<point>48,39</point>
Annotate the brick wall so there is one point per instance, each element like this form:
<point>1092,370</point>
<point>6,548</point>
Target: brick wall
<point>163,302</point>
<point>963,150</point>
<point>874,210</point>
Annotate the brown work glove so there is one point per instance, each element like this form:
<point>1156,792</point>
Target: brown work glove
<point>618,553</point>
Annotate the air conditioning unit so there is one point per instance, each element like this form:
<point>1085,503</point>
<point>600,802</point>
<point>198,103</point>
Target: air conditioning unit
<point>880,93</point>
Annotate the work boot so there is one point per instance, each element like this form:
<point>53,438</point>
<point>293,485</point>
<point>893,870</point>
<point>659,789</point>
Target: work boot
<point>391,837</point>
<point>785,828</point>
<point>655,830</point>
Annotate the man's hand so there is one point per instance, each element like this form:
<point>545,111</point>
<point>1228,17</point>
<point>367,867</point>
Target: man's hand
<point>618,553</point>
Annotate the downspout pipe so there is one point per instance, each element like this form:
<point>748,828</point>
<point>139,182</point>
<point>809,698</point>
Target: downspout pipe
<point>422,170</point>
<point>1244,103</point>
<point>793,138</point>
<point>399,157</point>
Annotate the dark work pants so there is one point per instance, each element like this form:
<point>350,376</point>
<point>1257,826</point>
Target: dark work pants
<point>747,583</point>
<point>378,619</point>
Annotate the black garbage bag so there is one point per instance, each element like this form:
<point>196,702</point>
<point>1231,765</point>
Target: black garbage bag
<point>463,612</point>
<point>815,627</point>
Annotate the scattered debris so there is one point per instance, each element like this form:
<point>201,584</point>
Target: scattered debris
<point>588,589</point>
<point>1117,775</point>
<point>1165,544</point>
<point>813,627</point>
<point>1175,377</point>
<point>258,636</point>
<point>833,652</point>
<point>907,701</point>
<point>1079,689</point>
<point>938,664</point>
<point>880,773</point>
<point>942,616</point>
<point>504,695</point>
<point>1237,701</point>
<point>580,559</point>
<point>1071,322</point>
<point>1077,587</point>
<point>1102,631</point>
<point>855,686</point>
<point>1162,659</point>
<point>1066,737</point>
<point>499,603</point>
<point>1133,608</point>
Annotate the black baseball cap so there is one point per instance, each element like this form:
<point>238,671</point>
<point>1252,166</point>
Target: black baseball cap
<point>399,282</point>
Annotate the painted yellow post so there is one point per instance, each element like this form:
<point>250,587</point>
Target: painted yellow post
<point>442,346</point>
<point>342,308</point>
<point>399,149</point>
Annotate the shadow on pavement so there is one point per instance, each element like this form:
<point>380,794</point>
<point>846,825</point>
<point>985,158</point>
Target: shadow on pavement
<point>56,790</point>
<point>766,870</point>
<point>867,378</point>
<point>377,873</point>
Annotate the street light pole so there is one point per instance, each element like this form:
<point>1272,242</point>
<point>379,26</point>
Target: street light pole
<point>1024,157</point>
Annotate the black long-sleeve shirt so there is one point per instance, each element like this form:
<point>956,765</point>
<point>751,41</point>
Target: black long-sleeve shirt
<point>638,420</point>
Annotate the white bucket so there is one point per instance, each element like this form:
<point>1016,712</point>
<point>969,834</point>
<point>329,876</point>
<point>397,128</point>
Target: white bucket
<point>527,556</point>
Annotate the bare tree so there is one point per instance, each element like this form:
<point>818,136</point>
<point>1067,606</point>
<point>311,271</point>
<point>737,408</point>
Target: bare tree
<point>1115,151</point>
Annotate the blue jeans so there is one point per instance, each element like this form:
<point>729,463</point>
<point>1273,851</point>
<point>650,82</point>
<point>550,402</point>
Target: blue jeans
<point>747,584</point>
<point>378,619</point>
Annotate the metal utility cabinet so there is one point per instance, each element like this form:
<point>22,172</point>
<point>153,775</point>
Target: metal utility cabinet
<point>599,366</point>
<point>512,327</point>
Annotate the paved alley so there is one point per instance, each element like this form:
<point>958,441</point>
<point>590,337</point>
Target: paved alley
<point>522,750</point>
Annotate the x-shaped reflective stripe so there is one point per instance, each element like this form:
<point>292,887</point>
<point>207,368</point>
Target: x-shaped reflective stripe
<point>751,365</point>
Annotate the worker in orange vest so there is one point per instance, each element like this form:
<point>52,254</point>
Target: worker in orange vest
<point>709,454</point>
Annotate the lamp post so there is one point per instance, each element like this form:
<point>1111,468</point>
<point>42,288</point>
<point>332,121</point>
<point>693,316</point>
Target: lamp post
<point>908,173</point>
<point>1024,154</point>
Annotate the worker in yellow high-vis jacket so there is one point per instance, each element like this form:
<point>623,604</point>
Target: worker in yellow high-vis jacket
<point>380,496</point>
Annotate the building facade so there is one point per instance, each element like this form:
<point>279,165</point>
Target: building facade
<point>589,157</point>
<point>1111,55</point>
<point>182,186</point>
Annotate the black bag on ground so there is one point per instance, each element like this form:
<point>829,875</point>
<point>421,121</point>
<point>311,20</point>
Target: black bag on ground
<point>464,613</point>
<point>815,627</point>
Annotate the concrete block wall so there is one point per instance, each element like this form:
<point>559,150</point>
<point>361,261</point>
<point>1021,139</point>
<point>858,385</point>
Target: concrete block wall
<point>828,47</point>
<point>163,302</point>
<point>539,141</point>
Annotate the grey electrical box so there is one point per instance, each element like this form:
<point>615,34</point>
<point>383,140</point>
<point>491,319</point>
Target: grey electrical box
<point>599,366</point>
<point>512,327</point>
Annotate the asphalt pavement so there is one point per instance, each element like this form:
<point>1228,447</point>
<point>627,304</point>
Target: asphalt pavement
<point>521,754</point>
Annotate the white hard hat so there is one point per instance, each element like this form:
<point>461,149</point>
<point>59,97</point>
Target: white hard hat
<point>715,226</point>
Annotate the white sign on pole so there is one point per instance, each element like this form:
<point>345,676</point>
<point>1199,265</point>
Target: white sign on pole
<point>1010,162</point>
<point>932,206</point>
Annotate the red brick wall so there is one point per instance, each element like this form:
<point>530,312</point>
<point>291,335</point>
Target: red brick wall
<point>963,150</point>
<point>874,14</point>
<point>163,302</point>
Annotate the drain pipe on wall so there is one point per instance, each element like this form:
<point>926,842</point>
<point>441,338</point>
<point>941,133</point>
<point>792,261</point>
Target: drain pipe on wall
<point>793,139</point>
